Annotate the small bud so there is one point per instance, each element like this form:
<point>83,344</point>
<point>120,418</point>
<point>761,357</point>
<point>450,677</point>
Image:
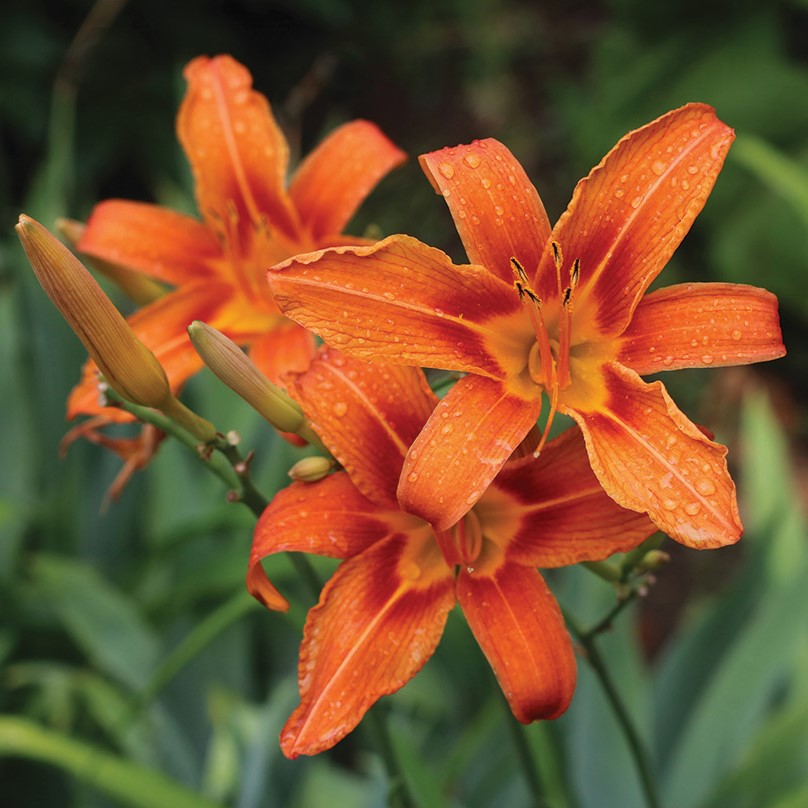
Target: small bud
<point>138,287</point>
<point>128,366</point>
<point>653,560</point>
<point>239,373</point>
<point>311,469</point>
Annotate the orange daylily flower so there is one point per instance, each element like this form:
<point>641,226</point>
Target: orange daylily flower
<point>381,615</point>
<point>250,220</point>
<point>559,311</point>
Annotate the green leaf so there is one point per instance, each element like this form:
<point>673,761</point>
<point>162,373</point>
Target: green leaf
<point>128,783</point>
<point>99,618</point>
<point>740,687</point>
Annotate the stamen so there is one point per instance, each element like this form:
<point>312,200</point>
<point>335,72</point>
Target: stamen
<point>546,373</point>
<point>236,252</point>
<point>565,327</point>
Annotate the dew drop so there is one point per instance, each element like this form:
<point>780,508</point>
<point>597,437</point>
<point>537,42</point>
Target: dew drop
<point>447,170</point>
<point>340,408</point>
<point>705,487</point>
<point>685,185</point>
<point>707,359</point>
<point>412,477</point>
<point>692,508</point>
<point>475,219</point>
<point>485,182</point>
<point>462,213</point>
<point>736,334</point>
<point>498,210</point>
<point>389,295</point>
<point>472,160</point>
<point>670,504</point>
<point>439,313</point>
<point>636,202</point>
<point>668,360</point>
<point>692,169</point>
<point>410,570</point>
<point>619,193</point>
<point>658,167</point>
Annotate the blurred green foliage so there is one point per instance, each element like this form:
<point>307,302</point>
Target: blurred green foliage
<point>133,668</point>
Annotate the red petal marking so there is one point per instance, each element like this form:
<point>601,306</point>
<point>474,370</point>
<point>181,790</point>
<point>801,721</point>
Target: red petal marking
<point>402,302</point>
<point>334,180</point>
<point>162,328</point>
<point>519,627</point>
<point>495,207</point>
<point>284,349</point>
<point>649,457</point>
<point>155,241</point>
<point>702,325</point>
<point>468,437</point>
<point>237,152</point>
<point>379,620</point>
<point>552,512</point>
<point>367,415</point>
<point>329,518</point>
<point>629,215</point>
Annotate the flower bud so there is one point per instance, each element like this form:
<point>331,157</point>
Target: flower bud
<point>311,469</point>
<point>240,374</point>
<point>653,560</point>
<point>136,286</point>
<point>128,366</point>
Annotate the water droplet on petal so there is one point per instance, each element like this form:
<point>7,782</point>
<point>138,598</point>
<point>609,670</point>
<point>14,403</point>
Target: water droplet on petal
<point>636,202</point>
<point>658,167</point>
<point>412,477</point>
<point>692,508</point>
<point>705,487</point>
<point>340,408</point>
<point>670,504</point>
<point>472,160</point>
<point>736,334</point>
<point>692,169</point>
<point>447,170</point>
<point>485,182</point>
<point>707,359</point>
<point>389,295</point>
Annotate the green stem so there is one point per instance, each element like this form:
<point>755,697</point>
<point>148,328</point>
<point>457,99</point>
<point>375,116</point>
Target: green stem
<point>399,794</point>
<point>525,755</point>
<point>635,744</point>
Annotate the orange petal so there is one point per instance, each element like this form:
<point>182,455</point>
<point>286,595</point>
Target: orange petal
<point>629,215</point>
<point>162,328</point>
<point>402,302</point>
<point>519,627</point>
<point>367,415</point>
<point>287,348</point>
<point>469,436</point>
<point>702,324</point>
<point>649,457</point>
<point>333,181</point>
<point>238,155</point>
<point>552,512</point>
<point>379,620</point>
<point>149,239</point>
<point>495,207</point>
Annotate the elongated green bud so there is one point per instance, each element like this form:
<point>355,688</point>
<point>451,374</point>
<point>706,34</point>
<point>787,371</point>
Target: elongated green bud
<point>126,364</point>
<point>239,373</point>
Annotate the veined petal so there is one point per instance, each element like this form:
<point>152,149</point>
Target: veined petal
<point>495,207</point>
<point>146,238</point>
<point>379,620</point>
<point>629,215</point>
<point>333,181</point>
<point>404,303</point>
<point>367,415</point>
<point>237,152</point>
<point>161,326</point>
<point>286,348</point>
<point>649,457</point>
<point>329,518</point>
<point>702,325</point>
<point>517,622</point>
<point>553,512</point>
<point>465,442</point>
